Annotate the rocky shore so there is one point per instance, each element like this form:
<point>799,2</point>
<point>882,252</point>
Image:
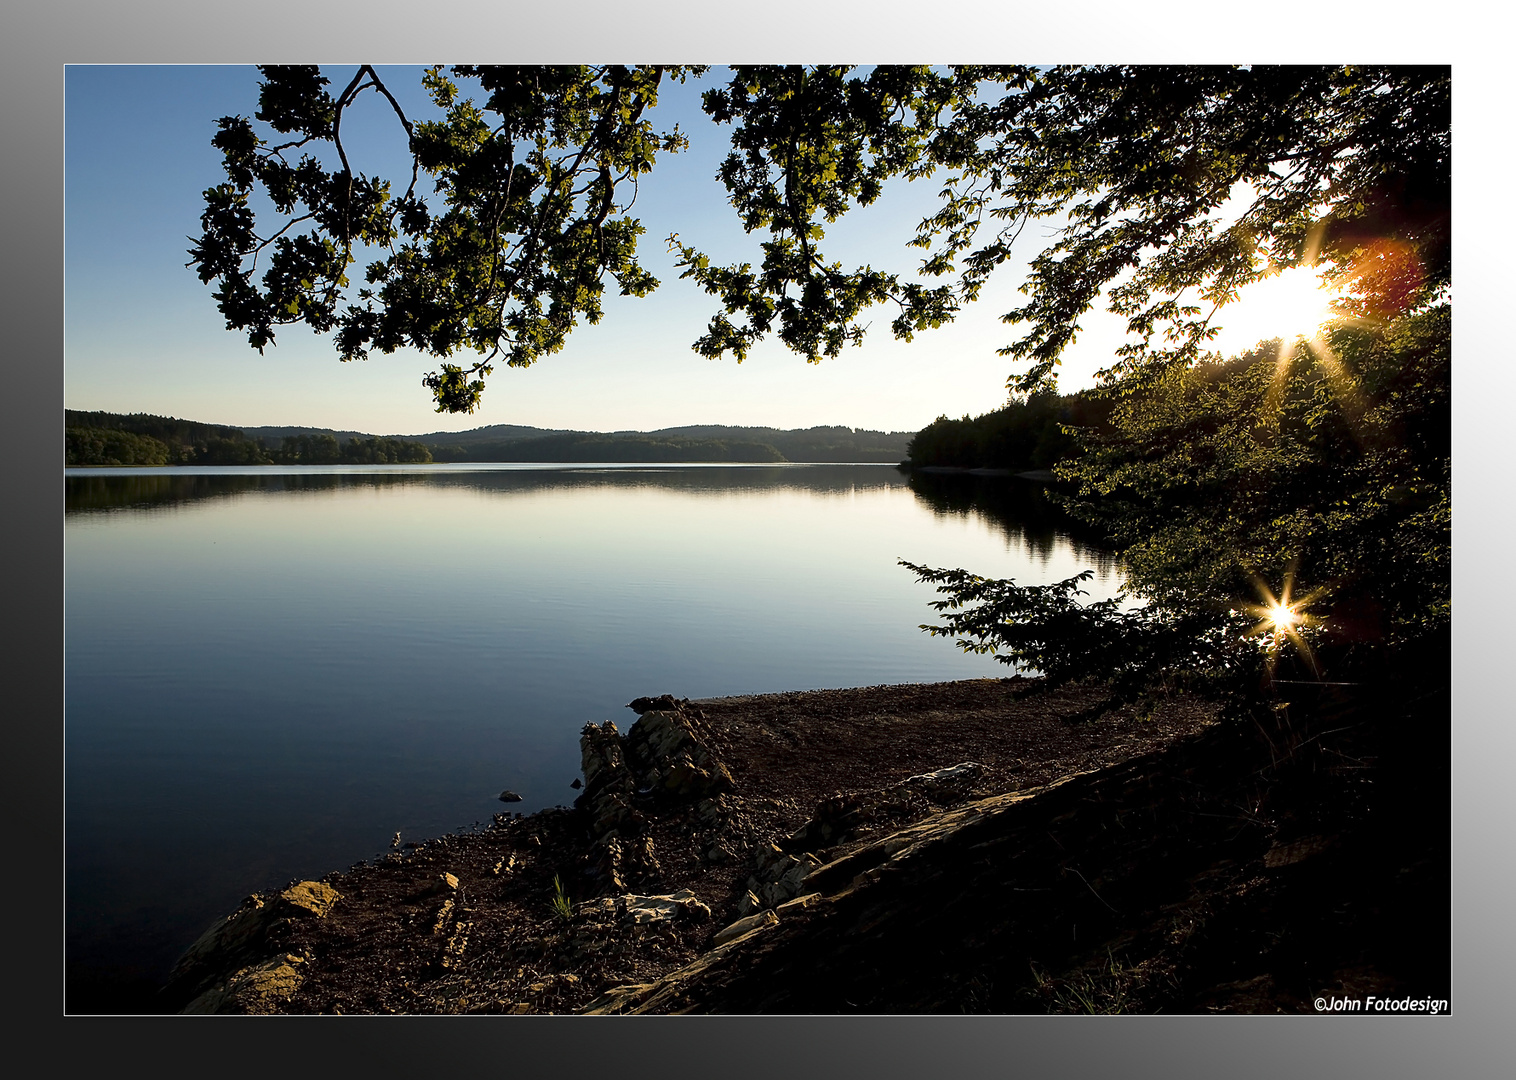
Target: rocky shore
<point>972,846</point>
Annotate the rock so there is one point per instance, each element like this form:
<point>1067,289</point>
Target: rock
<point>719,854</point>
<point>443,883</point>
<point>452,949</point>
<point>799,868</point>
<point>624,864</point>
<point>509,796</point>
<point>947,785</point>
<point>614,815</point>
<point>444,917</point>
<point>742,927</point>
<point>609,1001</point>
<point>780,877</point>
<point>713,813</point>
<point>238,936</point>
<point>310,898</point>
<point>650,909</point>
<point>665,701</point>
<point>602,758</point>
<point>667,752</point>
<point>640,860</point>
<point>607,869</point>
<point>766,855</point>
<point>656,736</point>
<point>843,816</point>
<point>800,902</point>
<point>834,821</point>
<point>608,784</point>
<point>241,940</point>
<point>664,755</point>
<point>551,987</point>
<point>577,784</point>
<point>687,780</point>
<point>601,907</point>
<point>258,988</point>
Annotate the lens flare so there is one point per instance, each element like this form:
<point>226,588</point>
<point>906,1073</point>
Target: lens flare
<point>1291,304</point>
<point>1282,620</point>
<point>1283,616</point>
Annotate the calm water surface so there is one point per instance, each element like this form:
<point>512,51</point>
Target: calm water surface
<point>269,672</point>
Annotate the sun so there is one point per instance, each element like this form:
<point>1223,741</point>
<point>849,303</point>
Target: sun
<point>1282,616</point>
<point>1282,619</point>
<point>1291,304</point>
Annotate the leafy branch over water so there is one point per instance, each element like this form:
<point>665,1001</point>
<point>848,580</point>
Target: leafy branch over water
<point>1045,628</point>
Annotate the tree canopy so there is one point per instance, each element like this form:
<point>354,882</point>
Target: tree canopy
<point>1177,186</point>
<point>509,248</point>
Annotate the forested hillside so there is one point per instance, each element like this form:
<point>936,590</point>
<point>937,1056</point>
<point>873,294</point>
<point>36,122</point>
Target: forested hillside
<point>710,442</point>
<point>100,438</point>
<point>1022,435</point>
<point>103,439</point>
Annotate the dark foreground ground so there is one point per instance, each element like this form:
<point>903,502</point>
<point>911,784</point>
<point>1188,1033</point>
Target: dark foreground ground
<point>973,846</point>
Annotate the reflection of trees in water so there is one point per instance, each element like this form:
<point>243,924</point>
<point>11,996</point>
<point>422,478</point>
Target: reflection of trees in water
<point>709,480</point>
<point>164,491</point>
<point>1019,509</point>
<point>161,491</point>
<point>158,491</point>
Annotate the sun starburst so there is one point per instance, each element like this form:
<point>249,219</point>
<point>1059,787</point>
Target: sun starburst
<point>1282,619</point>
<point>1292,304</point>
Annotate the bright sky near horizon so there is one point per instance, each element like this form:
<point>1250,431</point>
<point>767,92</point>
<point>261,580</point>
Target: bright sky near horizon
<point>143,334</point>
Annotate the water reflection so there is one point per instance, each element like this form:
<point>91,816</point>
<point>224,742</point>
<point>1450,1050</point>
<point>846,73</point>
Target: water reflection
<point>1021,510</point>
<point>95,491</point>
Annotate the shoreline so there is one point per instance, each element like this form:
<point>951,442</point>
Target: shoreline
<point>845,752</point>
<point>926,848</point>
<point>1040,476</point>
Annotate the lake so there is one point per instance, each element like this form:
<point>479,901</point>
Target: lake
<point>270,671</point>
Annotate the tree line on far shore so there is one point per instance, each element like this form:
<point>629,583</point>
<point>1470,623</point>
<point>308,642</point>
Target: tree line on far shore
<point>102,439</point>
<point>99,438</point>
<point>1034,432</point>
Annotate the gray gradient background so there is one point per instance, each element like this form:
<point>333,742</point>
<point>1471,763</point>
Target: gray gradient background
<point>38,41</point>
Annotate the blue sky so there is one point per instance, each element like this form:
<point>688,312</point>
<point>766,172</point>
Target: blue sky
<point>143,334</point>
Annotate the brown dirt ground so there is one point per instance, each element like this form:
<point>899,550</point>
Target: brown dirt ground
<point>394,943</point>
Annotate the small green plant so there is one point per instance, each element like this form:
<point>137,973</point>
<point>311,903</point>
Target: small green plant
<point>1092,992</point>
<point>562,907</point>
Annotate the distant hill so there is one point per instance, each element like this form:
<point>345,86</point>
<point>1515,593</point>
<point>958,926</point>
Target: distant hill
<point>494,433</point>
<point>99,438</point>
<point>623,447</point>
<point>106,439</point>
<point>708,442</point>
<point>273,435</point>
